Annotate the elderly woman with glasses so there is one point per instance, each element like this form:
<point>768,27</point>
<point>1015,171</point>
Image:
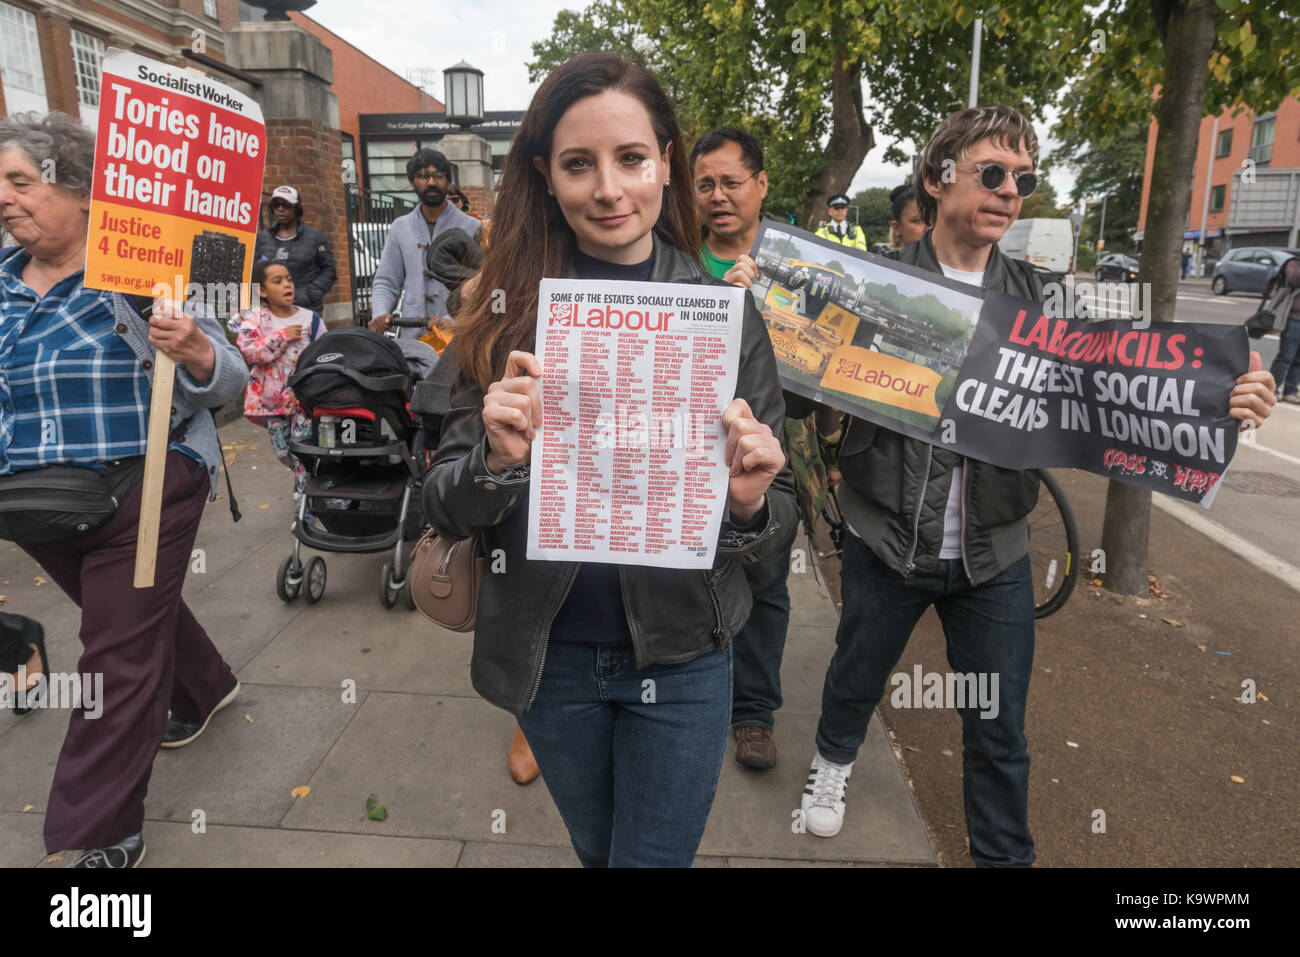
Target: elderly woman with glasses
<point>76,375</point>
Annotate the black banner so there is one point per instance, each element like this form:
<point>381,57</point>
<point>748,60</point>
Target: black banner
<point>992,377</point>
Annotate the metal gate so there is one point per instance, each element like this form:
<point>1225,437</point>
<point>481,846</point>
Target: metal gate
<point>369,216</point>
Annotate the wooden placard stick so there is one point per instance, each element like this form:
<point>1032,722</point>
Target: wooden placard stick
<point>155,462</point>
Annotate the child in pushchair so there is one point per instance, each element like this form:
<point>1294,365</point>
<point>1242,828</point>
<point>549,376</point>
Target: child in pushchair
<point>364,457</point>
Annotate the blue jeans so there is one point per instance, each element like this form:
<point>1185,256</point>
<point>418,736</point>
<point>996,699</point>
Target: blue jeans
<point>989,629</point>
<point>631,758</point>
<point>761,643</point>
<point>1285,368</point>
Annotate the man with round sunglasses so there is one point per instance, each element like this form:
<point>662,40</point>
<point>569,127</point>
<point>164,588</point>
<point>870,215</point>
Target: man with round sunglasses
<point>301,249</point>
<point>930,527</point>
<point>839,229</point>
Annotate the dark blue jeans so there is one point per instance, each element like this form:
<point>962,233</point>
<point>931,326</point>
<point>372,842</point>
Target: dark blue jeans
<point>760,644</point>
<point>989,629</point>
<point>1285,368</point>
<point>631,758</point>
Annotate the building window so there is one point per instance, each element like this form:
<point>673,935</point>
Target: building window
<point>1261,140</point>
<point>88,52</point>
<point>20,61</point>
<point>1217,195</point>
<point>1225,143</point>
<point>210,8</point>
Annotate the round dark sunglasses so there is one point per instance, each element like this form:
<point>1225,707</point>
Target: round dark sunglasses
<point>992,176</point>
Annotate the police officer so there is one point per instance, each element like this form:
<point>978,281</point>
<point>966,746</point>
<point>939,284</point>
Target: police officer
<point>839,230</point>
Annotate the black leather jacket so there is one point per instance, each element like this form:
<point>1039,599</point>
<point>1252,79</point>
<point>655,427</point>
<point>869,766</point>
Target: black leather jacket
<point>674,615</point>
<point>895,488</point>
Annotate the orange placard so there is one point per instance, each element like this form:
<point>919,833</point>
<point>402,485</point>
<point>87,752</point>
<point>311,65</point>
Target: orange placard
<point>177,183</point>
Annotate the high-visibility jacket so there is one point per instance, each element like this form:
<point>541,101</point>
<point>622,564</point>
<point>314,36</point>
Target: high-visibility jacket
<point>853,236</point>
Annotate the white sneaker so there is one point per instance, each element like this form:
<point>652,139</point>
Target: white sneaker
<point>823,797</point>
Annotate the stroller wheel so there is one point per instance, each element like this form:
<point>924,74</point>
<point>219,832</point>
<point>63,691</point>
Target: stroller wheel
<point>287,583</point>
<point>389,590</point>
<point>315,579</point>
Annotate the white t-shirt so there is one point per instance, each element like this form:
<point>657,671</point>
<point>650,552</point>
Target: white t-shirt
<point>951,547</point>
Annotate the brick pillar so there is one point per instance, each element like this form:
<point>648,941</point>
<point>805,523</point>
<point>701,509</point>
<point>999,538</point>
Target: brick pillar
<point>55,35</point>
<point>303,146</point>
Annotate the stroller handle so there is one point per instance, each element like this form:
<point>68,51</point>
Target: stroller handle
<point>398,322</point>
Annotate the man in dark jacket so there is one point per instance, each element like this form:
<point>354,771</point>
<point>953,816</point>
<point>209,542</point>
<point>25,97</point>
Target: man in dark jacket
<point>302,249</point>
<point>930,527</point>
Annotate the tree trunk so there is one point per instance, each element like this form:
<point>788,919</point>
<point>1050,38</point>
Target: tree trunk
<point>850,141</point>
<point>1187,31</point>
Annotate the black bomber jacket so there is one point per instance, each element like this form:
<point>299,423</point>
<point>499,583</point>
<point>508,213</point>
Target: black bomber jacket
<point>673,615</point>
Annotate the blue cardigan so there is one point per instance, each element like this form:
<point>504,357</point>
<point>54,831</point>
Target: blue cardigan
<point>401,267</point>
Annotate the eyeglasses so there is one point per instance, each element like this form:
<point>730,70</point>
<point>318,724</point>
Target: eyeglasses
<point>280,204</point>
<point>426,175</point>
<point>992,176</point>
<point>705,187</point>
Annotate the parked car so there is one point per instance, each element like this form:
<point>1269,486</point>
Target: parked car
<point>1117,267</point>
<point>1047,243</point>
<point>1249,269</point>
<point>367,242</point>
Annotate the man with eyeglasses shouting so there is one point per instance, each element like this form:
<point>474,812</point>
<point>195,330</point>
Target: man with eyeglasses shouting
<point>929,527</point>
<point>839,229</point>
<point>402,271</point>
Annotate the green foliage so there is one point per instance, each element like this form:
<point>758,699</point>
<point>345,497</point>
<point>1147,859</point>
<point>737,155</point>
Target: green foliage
<point>769,67</point>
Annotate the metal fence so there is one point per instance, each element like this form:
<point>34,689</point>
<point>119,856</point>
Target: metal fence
<point>369,216</point>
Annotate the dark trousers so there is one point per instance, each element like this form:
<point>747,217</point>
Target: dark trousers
<point>149,648</point>
<point>760,644</point>
<point>989,629</point>
<point>1286,365</point>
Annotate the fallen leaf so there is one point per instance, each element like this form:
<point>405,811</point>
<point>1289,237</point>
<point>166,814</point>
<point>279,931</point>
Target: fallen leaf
<point>1236,779</point>
<point>301,791</point>
<point>1097,581</point>
<point>947,753</point>
<point>1262,697</point>
<point>39,580</point>
<point>54,860</point>
<point>1202,647</point>
<point>264,506</point>
<point>1071,744</point>
<point>28,807</point>
<point>3,599</point>
<point>1141,616</point>
<point>376,812</point>
<point>1172,621</point>
<point>248,719</point>
<point>908,747</point>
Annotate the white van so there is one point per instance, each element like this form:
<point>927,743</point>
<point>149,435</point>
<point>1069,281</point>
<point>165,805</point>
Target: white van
<point>1047,243</point>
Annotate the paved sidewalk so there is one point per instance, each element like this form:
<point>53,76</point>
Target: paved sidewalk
<point>417,738</point>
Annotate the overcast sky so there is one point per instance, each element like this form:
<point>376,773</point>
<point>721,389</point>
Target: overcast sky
<point>497,36</point>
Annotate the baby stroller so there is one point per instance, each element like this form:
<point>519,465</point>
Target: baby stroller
<point>364,457</point>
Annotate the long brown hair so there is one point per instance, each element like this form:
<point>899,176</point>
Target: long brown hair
<point>530,238</point>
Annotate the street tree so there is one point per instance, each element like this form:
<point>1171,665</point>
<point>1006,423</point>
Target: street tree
<point>793,72</point>
<point>1177,56</point>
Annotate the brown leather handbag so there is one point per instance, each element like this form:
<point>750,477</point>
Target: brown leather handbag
<point>445,576</point>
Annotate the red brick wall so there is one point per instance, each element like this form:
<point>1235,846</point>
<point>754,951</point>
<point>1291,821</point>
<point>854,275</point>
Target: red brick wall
<point>364,85</point>
<point>482,202</point>
<point>56,58</point>
<point>1285,155</point>
<point>296,153</point>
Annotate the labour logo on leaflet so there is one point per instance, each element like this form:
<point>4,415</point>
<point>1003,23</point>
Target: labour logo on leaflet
<point>563,313</point>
